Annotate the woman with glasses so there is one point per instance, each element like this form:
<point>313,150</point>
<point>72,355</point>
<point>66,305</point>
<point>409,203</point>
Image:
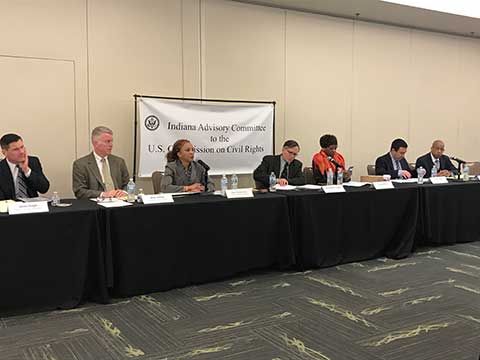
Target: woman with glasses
<point>286,168</point>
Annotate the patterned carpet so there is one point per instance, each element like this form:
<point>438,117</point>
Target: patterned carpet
<point>423,307</point>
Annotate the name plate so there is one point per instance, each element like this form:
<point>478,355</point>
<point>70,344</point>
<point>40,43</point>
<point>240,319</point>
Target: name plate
<point>19,208</point>
<point>439,180</point>
<point>331,189</point>
<point>157,199</point>
<point>383,185</point>
<point>239,193</point>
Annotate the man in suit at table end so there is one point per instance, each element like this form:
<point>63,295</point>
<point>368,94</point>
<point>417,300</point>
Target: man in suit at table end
<point>21,175</point>
<point>100,174</point>
<point>436,158</point>
<point>394,163</point>
<point>286,168</point>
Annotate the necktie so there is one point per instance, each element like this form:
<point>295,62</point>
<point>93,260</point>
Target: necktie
<point>284,174</point>
<point>21,185</point>
<point>107,177</point>
<point>399,167</point>
<point>437,164</point>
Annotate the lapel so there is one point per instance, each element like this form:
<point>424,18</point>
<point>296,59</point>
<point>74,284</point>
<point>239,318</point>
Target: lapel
<point>276,165</point>
<point>92,166</point>
<point>113,171</point>
<point>7,178</point>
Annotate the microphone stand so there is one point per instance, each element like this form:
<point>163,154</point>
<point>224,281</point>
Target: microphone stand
<point>206,181</point>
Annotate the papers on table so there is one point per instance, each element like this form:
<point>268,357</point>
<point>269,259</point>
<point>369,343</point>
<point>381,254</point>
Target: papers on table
<point>331,189</point>
<point>309,187</point>
<point>383,185</point>
<point>356,183</point>
<point>285,187</point>
<point>408,181</point>
<point>4,205</point>
<point>439,180</point>
<point>34,199</point>
<point>113,203</point>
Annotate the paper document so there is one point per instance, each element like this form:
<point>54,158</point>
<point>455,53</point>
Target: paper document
<point>408,181</point>
<point>285,187</point>
<point>34,199</point>
<point>4,205</point>
<point>356,183</point>
<point>114,203</point>
<point>309,187</point>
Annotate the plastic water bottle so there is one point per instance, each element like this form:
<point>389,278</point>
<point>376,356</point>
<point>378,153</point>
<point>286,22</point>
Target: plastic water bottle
<point>55,199</point>
<point>340,176</point>
<point>420,174</point>
<point>131,190</point>
<point>330,177</point>
<point>434,171</point>
<point>273,182</point>
<point>234,181</point>
<point>224,184</point>
<point>140,196</point>
<point>465,172</point>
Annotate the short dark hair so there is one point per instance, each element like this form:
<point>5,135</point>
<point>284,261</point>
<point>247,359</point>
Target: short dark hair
<point>328,140</point>
<point>7,139</point>
<point>290,144</point>
<point>398,143</point>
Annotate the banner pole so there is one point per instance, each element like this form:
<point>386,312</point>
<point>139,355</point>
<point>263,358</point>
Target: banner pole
<point>134,175</point>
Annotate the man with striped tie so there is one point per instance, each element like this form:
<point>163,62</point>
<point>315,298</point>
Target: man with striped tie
<point>21,175</point>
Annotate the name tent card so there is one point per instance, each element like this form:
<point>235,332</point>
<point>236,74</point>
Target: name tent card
<point>157,199</point>
<point>239,193</point>
<point>439,180</point>
<point>383,185</point>
<point>19,208</point>
<point>331,189</point>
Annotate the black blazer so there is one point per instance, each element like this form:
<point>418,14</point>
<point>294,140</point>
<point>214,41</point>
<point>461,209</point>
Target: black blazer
<point>426,162</point>
<point>36,182</point>
<point>272,163</point>
<point>384,165</point>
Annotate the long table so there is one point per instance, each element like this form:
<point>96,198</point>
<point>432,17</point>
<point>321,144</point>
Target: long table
<point>195,240</point>
<point>52,260</point>
<point>60,258</point>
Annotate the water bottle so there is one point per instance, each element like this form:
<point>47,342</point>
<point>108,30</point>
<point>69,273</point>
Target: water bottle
<point>234,181</point>
<point>273,182</point>
<point>55,199</point>
<point>420,174</point>
<point>330,177</point>
<point>465,172</point>
<point>434,171</point>
<point>140,195</point>
<point>131,191</point>
<point>340,176</point>
<point>224,184</point>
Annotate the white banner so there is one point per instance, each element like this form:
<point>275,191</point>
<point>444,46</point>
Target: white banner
<point>229,138</point>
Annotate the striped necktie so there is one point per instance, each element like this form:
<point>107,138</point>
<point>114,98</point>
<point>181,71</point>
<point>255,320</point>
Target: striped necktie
<point>22,191</point>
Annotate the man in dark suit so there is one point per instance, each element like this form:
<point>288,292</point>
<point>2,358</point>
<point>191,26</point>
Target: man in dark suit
<point>100,174</point>
<point>21,176</point>
<point>287,169</point>
<point>436,158</point>
<point>394,163</point>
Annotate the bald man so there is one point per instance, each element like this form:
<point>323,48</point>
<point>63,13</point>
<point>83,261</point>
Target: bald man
<point>436,158</point>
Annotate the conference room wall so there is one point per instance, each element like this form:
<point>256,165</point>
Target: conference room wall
<point>43,87</point>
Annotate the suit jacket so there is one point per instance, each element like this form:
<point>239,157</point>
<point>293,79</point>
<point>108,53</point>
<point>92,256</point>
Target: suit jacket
<point>174,178</point>
<point>272,163</point>
<point>36,182</point>
<point>384,165</point>
<point>86,178</point>
<point>426,162</point>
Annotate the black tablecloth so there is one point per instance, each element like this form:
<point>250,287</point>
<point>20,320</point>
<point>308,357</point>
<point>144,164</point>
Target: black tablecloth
<point>51,260</point>
<point>450,213</point>
<point>197,239</point>
<point>331,229</point>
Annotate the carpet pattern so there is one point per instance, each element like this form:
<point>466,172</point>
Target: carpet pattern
<point>424,307</point>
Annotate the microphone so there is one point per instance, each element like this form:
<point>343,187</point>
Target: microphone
<point>205,166</point>
<point>460,161</point>
<point>334,162</point>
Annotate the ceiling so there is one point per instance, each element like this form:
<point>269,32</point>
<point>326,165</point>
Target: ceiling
<point>382,12</point>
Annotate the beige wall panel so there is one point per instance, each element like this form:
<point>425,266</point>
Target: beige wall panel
<point>53,29</point>
<point>381,93</point>
<point>318,81</point>
<point>134,47</point>
<point>191,48</point>
<point>38,104</point>
<point>469,109</point>
<point>435,92</point>
<point>243,56</point>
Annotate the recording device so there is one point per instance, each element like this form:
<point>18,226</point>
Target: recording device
<point>334,162</point>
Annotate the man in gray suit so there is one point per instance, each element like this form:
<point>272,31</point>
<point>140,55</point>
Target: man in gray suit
<point>100,174</point>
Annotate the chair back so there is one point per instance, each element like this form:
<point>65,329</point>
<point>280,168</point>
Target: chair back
<point>474,168</point>
<point>157,181</point>
<point>308,173</point>
<point>371,169</point>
